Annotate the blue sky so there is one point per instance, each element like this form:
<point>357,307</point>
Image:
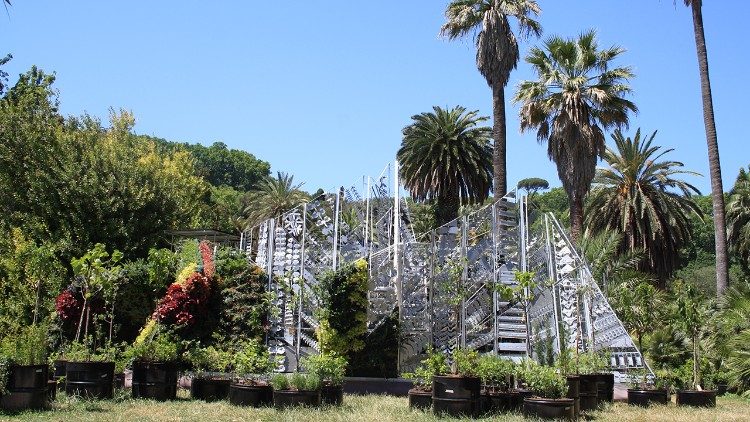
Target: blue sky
<point>322,89</point>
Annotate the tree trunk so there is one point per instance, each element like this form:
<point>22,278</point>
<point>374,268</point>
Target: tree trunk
<point>446,209</point>
<point>717,189</point>
<point>696,365</point>
<point>576,217</point>
<point>80,320</point>
<point>499,179</point>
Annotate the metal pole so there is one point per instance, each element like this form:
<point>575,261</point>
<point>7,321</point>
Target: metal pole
<point>431,312</point>
<point>396,251</point>
<point>556,306</point>
<point>367,220</point>
<point>301,281</point>
<point>464,278</point>
<point>336,216</point>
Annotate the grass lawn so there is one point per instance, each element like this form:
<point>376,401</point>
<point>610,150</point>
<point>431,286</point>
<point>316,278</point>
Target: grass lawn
<point>356,408</point>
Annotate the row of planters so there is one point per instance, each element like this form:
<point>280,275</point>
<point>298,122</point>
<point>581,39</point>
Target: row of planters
<point>467,384</point>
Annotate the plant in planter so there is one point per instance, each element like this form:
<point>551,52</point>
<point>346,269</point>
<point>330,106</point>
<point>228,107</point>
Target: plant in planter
<point>593,379</point>
<point>297,389</point>
<point>458,391</point>
<point>645,389</point>
<point>155,366</point>
<point>330,369</point>
<point>89,370</point>
<point>210,381</point>
<point>420,396</point>
<point>691,316</point>
<point>549,388</point>
<point>24,370</point>
<point>252,364</point>
<point>498,382</point>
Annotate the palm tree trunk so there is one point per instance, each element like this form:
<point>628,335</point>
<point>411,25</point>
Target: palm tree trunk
<point>576,217</point>
<point>499,180</point>
<point>717,189</point>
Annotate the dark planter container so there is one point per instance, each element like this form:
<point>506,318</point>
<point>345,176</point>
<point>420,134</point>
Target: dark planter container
<point>332,395</point>
<point>574,392</point>
<point>606,388</point>
<point>157,381</point>
<point>504,401</point>
<point>721,389</point>
<point>250,395</point>
<point>705,398</point>
<point>588,391</point>
<point>120,381</point>
<point>646,397</point>
<point>89,379</point>
<point>419,399</point>
<point>27,388</point>
<point>58,367</point>
<point>549,408</point>
<point>51,390</point>
<point>447,387</point>
<point>456,407</point>
<point>210,389</point>
<point>291,398</point>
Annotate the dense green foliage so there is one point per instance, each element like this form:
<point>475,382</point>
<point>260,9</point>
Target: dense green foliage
<point>445,157</point>
<point>273,197</point>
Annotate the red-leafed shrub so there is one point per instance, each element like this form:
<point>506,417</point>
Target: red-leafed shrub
<point>183,304</point>
<point>209,267</point>
<point>67,306</point>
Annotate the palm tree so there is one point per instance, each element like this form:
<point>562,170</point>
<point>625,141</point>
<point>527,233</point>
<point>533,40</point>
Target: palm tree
<point>497,56</point>
<point>714,165</point>
<point>576,97</point>
<point>640,197</point>
<point>273,197</point>
<point>738,218</point>
<point>446,157</point>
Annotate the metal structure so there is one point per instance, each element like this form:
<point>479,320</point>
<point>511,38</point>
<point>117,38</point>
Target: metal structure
<point>444,285</point>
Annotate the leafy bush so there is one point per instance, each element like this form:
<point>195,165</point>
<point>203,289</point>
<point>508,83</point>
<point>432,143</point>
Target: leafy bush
<point>593,362</point>
<point>162,347</point>
<point>435,364</point>
<point>85,351</point>
<point>304,382</point>
<point>27,347</point>
<point>465,362</point>
<point>209,359</point>
<point>245,306</point>
<point>544,381</point>
<point>253,359</point>
<point>280,382</point>
<point>329,369</point>
<point>496,372</point>
<point>343,312</point>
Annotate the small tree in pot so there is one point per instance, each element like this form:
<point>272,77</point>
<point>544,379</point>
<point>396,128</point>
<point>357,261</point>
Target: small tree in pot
<point>498,382</point>
<point>297,389</point>
<point>645,389</point>
<point>330,369</point>
<point>252,364</point>
<point>24,370</point>
<point>89,369</point>
<point>549,388</point>
<point>420,395</point>
<point>691,315</point>
<point>458,392</point>
<point>210,380</point>
<point>155,363</point>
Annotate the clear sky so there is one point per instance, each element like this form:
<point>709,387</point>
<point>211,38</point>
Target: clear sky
<point>322,89</point>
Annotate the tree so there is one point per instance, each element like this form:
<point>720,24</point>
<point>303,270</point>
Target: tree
<point>273,197</point>
<point>717,188</point>
<point>738,218</point>
<point>4,74</point>
<point>445,157</point>
<point>533,184</point>
<point>639,196</point>
<point>577,96</point>
<point>497,56</point>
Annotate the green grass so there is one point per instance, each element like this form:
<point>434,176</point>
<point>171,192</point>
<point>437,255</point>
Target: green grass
<point>356,408</point>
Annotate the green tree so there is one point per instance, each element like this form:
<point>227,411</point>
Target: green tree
<point>533,184</point>
<point>445,157</point>
<point>577,96</point>
<point>273,197</point>
<point>738,218</point>
<point>4,74</point>
<point>717,188</point>
<point>640,196</point>
<point>497,56</point>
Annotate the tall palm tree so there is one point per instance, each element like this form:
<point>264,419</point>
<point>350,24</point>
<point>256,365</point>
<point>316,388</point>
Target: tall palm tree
<point>639,196</point>
<point>738,218</point>
<point>273,197</point>
<point>497,56</point>
<point>714,165</point>
<point>446,157</point>
<point>576,97</point>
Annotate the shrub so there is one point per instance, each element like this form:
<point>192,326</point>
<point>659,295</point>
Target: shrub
<point>163,347</point>
<point>496,372</point>
<point>329,369</point>
<point>280,382</point>
<point>209,359</point>
<point>546,382</point>
<point>435,363</point>
<point>253,359</point>
<point>465,362</point>
<point>245,306</point>
<point>304,382</point>
<point>593,362</point>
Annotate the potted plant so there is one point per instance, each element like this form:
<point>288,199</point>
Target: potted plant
<point>210,379</point>
<point>549,390</point>
<point>420,395</point>
<point>297,389</point>
<point>458,391</point>
<point>566,366</point>
<point>330,369</point>
<point>154,366</point>
<point>646,389</point>
<point>252,364</point>
<point>89,370</point>
<point>498,382</point>
<point>591,374</point>
<point>691,316</point>
<point>24,370</point>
